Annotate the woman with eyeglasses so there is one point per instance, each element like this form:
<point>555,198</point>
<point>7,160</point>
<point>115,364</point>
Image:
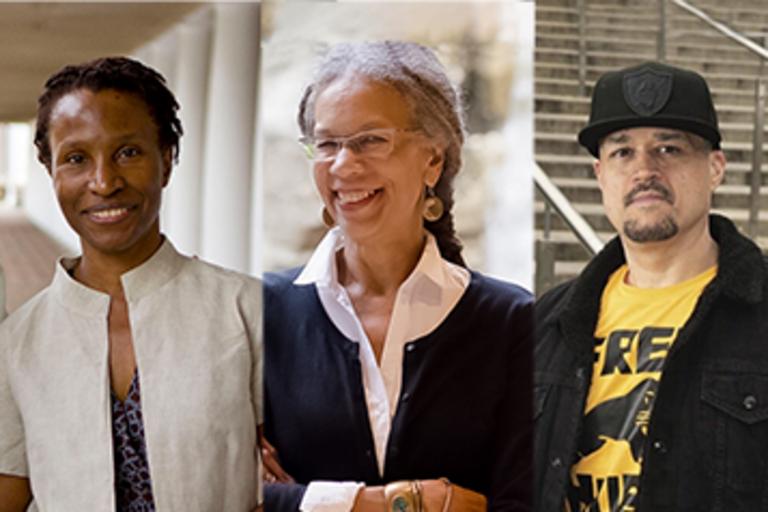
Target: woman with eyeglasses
<point>395,378</point>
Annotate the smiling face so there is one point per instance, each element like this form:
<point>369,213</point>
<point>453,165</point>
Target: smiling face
<point>108,172</point>
<point>371,196</point>
<point>657,183</point>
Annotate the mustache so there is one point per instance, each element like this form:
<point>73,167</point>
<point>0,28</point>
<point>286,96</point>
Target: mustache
<point>645,187</point>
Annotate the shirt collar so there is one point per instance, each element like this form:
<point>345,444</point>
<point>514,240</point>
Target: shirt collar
<point>139,282</point>
<point>321,268</point>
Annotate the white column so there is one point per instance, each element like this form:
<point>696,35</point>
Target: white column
<point>229,136</point>
<point>18,135</point>
<point>183,195</point>
<point>257,197</point>
<point>161,56</point>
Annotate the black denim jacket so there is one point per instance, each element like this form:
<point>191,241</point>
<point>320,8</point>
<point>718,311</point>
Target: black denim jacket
<point>707,443</point>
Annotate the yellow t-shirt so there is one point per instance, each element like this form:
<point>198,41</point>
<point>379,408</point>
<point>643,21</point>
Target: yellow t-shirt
<point>634,333</point>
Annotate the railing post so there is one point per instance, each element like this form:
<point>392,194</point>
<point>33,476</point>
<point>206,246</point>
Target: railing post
<point>756,180</point>
<point>582,7</point>
<point>545,266</point>
<point>661,43</point>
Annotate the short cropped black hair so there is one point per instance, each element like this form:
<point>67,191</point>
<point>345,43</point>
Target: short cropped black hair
<point>119,73</point>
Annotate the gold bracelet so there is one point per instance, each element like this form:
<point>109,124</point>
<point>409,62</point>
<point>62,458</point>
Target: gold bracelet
<point>403,496</point>
<point>448,494</point>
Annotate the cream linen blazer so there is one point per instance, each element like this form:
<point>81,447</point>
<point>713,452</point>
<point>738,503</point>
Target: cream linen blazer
<point>197,336</point>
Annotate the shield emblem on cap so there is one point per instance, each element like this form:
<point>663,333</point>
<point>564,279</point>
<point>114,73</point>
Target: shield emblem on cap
<point>647,91</point>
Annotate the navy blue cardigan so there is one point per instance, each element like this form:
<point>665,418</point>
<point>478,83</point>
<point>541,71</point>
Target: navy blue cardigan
<point>464,410</point>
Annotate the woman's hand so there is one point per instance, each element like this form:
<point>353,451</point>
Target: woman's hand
<point>15,493</point>
<point>273,472</point>
<point>437,496</point>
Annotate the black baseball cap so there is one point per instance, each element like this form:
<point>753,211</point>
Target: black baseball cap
<point>651,94</point>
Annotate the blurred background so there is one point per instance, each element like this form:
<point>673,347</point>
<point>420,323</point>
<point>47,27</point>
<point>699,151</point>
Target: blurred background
<point>242,195</point>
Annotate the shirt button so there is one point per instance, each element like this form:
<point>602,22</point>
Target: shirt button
<point>750,402</point>
<point>659,446</point>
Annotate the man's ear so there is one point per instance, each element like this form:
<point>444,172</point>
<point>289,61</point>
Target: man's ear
<point>598,173</point>
<point>716,169</point>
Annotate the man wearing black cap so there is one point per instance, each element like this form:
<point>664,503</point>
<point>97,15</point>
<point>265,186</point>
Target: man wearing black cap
<point>651,389</point>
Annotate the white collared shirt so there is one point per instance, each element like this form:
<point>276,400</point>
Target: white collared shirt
<point>423,301</point>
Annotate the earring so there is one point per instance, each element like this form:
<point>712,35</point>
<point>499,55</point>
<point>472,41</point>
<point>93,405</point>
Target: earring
<point>433,206</point>
<point>327,219</point>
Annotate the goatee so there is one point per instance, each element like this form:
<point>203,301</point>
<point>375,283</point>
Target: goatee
<point>664,229</point>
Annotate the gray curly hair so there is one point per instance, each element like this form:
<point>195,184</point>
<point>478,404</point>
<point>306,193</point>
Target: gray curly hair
<point>435,104</point>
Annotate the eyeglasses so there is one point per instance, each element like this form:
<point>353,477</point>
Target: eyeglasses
<point>368,144</point>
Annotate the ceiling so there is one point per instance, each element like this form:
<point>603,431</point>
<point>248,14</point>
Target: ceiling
<point>38,39</point>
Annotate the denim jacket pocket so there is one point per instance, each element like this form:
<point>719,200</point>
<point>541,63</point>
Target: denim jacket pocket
<point>735,398</point>
<point>743,396</point>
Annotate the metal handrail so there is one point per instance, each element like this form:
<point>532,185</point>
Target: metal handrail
<point>723,28</point>
<point>756,175</point>
<point>567,212</point>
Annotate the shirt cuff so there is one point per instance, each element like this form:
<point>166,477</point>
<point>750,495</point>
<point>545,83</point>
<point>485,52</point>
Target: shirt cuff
<point>330,496</point>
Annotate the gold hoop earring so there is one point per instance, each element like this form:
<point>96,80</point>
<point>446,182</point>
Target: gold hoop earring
<point>433,206</point>
<point>327,219</point>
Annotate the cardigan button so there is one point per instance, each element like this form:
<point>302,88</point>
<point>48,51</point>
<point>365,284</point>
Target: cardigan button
<point>410,347</point>
<point>659,446</point>
<point>750,402</point>
<point>406,397</point>
<point>557,463</point>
